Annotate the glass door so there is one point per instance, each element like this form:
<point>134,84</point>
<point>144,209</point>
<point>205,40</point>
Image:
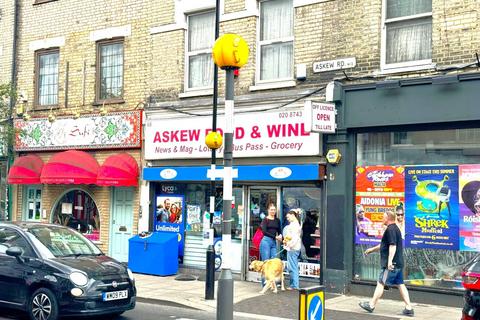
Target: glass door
<point>258,200</point>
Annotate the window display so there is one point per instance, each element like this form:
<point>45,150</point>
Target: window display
<point>307,202</point>
<point>77,210</point>
<point>433,177</point>
<point>196,203</point>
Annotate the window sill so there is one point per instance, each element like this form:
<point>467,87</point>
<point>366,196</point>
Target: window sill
<point>386,71</point>
<point>107,102</point>
<point>42,1</point>
<point>46,108</point>
<point>273,85</point>
<point>196,93</point>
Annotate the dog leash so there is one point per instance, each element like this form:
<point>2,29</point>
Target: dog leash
<point>280,252</point>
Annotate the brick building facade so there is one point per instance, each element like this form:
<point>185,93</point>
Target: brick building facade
<point>166,63</point>
<point>75,69</point>
<point>6,42</point>
<point>442,42</point>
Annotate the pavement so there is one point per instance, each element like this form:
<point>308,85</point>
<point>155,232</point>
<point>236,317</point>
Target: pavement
<point>189,291</point>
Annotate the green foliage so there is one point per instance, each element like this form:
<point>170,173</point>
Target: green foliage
<point>7,131</point>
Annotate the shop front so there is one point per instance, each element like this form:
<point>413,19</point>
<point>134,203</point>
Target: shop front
<point>93,190</point>
<point>288,178</point>
<point>412,148</point>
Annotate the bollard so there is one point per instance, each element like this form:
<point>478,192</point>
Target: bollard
<point>312,303</point>
<point>210,274</point>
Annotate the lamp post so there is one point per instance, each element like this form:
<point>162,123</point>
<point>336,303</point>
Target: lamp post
<point>230,52</point>
<point>210,267</point>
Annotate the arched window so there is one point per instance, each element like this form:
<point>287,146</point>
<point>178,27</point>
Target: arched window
<point>76,209</point>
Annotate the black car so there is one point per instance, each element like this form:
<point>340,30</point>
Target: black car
<point>50,271</point>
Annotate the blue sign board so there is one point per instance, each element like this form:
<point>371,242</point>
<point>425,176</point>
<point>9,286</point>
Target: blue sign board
<point>315,309</point>
<point>281,172</point>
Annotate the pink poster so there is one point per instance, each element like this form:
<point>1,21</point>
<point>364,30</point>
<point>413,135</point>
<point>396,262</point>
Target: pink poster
<point>469,200</point>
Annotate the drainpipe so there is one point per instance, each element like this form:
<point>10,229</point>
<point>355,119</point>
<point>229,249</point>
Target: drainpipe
<point>13,83</point>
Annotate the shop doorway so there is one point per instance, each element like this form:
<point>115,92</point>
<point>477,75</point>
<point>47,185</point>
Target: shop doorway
<point>77,209</point>
<point>258,200</point>
<point>122,223</point>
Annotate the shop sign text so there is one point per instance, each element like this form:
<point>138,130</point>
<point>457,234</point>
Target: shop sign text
<point>331,65</point>
<point>116,130</point>
<point>255,135</point>
<point>320,117</point>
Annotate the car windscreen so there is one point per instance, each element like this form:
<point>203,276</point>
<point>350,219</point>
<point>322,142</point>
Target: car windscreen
<point>63,242</point>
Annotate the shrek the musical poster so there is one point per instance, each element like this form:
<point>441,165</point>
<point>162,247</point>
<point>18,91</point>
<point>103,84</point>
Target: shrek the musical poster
<point>431,207</point>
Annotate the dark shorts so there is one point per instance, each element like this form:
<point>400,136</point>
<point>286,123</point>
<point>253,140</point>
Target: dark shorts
<point>391,277</point>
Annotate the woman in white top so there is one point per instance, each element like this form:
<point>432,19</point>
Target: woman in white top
<point>293,243</point>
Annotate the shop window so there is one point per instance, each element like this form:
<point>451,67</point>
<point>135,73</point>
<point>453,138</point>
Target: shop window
<point>33,203</point>
<point>77,210</point>
<point>276,40</point>
<point>197,200</point>
<point>452,146</point>
<point>407,33</point>
<point>199,63</point>
<point>433,177</point>
<point>46,70</point>
<point>109,71</point>
<point>308,201</point>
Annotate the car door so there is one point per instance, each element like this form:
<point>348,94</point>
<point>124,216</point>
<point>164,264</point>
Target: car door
<point>14,273</point>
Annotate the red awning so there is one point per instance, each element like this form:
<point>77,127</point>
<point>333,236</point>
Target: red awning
<point>119,170</point>
<point>26,170</point>
<point>70,167</point>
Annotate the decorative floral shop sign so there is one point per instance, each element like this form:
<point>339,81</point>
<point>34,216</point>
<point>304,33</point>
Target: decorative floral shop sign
<point>116,130</point>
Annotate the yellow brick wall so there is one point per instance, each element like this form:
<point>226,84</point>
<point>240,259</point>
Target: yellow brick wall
<point>328,30</point>
<point>75,20</point>
<point>234,5</point>
<point>168,63</point>
<point>456,31</point>
<point>6,40</point>
<point>102,197</point>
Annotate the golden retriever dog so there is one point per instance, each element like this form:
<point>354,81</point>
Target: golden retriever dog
<point>271,270</point>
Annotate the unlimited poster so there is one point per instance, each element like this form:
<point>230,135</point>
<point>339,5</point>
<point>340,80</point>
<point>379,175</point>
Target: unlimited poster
<point>169,217</point>
<point>469,206</point>
<point>431,207</point>
<point>378,188</point>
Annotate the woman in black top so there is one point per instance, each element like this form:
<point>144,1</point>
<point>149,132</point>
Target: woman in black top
<point>271,232</point>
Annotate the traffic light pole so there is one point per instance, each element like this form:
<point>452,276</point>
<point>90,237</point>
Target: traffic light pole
<point>225,281</point>
<point>210,267</point>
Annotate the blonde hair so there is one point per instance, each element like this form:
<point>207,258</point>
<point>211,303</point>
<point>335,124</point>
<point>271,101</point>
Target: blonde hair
<point>391,215</point>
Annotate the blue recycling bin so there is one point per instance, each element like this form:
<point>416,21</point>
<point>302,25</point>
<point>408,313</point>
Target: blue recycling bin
<point>156,254</point>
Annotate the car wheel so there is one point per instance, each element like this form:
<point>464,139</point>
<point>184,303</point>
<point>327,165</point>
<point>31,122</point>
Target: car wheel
<point>43,305</point>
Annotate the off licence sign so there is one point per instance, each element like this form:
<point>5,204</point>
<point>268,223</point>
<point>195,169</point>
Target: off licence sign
<point>320,117</point>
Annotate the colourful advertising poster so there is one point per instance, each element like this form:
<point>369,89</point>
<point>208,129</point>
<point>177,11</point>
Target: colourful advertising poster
<point>169,215</point>
<point>431,207</point>
<point>194,221</point>
<point>378,188</point>
<point>469,206</point>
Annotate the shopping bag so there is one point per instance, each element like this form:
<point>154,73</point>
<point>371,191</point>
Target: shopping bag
<point>257,237</point>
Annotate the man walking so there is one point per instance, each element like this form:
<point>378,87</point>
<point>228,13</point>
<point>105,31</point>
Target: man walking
<point>391,259</point>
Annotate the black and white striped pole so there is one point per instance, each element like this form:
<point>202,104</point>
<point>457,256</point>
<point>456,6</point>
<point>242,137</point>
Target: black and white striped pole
<point>230,52</point>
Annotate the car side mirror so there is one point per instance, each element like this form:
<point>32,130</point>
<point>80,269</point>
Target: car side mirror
<point>16,252</point>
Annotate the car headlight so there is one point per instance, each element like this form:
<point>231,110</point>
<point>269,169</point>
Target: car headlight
<point>78,279</point>
<point>130,274</point>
